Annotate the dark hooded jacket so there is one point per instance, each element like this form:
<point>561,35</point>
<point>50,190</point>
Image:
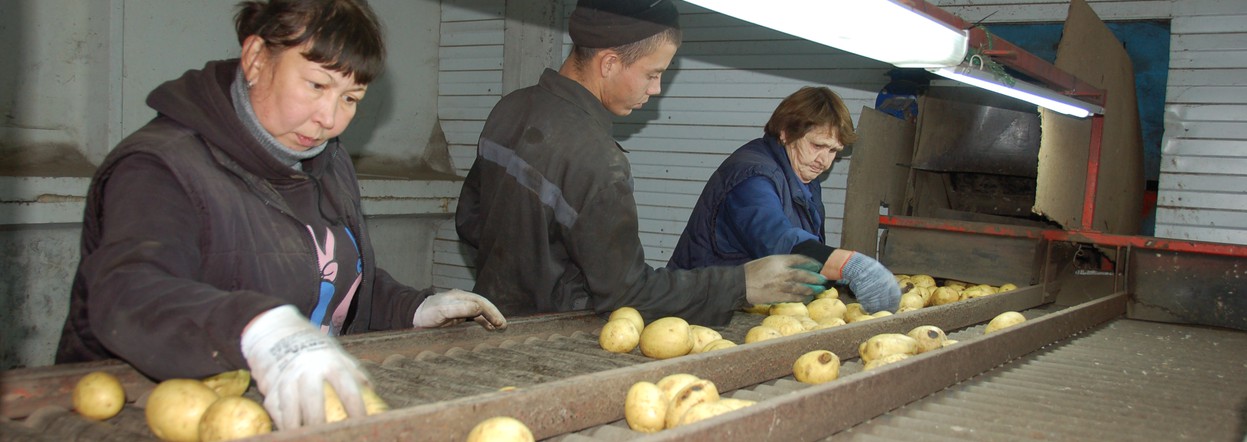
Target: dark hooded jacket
<point>549,205</point>
<point>191,229</point>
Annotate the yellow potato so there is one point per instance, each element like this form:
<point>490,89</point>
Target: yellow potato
<point>694,393</point>
<point>907,309</point>
<point>913,301</point>
<point>816,367</point>
<point>645,408</point>
<point>853,310</point>
<point>736,404</point>
<point>500,429</point>
<point>972,293</point>
<point>787,325</point>
<point>703,411</point>
<point>703,336</point>
<point>985,288</point>
<point>922,280</point>
<point>789,308</point>
<point>99,396</point>
<point>233,417</point>
<point>826,308</point>
<point>761,333</point>
<point>175,407</point>
<point>925,293</point>
<point>631,314</point>
<point>335,411</point>
<point>1006,319</point>
<point>807,323</point>
<point>881,313</point>
<point>672,383</point>
<point>666,338</point>
<point>929,337</point>
<point>833,322</point>
<point>944,295</point>
<point>718,344</point>
<point>759,309</point>
<point>230,383</point>
<point>1007,287</point>
<point>876,363</point>
<point>885,344</point>
<point>619,336</point>
<point>829,293</point>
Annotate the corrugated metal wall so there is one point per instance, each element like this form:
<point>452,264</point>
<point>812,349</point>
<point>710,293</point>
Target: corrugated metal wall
<point>729,75</point>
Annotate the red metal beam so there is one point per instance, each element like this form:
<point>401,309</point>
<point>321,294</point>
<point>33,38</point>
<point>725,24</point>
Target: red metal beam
<point>1093,172</point>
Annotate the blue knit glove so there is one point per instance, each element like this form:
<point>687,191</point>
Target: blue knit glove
<point>874,286</point>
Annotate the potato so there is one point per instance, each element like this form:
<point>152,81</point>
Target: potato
<point>666,338</point>
<point>896,357</point>
<point>703,411</point>
<point>175,407</point>
<point>829,293</point>
<point>972,293</point>
<point>761,333</point>
<point>230,383</point>
<point>672,383</point>
<point>853,310</point>
<point>736,404</point>
<point>985,288</point>
<point>907,309</point>
<point>826,308</point>
<point>500,429</point>
<point>645,408</point>
<point>1007,287</point>
<point>785,324</point>
<point>925,293</point>
<point>807,323</point>
<point>913,301</point>
<point>233,417</point>
<point>1006,319</point>
<point>881,313</point>
<point>922,280</point>
<point>99,396</point>
<point>694,393</point>
<point>759,309</point>
<point>816,367</point>
<point>929,337</point>
<point>702,336</point>
<point>335,411</point>
<point>619,335</point>
<point>789,308</point>
<point>885,344</point>
<point>631,314</point>
<point>858,318</point>
<point>833,322</point>
<point>944,295</point>
<point>718,344</point>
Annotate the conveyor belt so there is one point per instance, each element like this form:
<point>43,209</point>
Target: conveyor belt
<point>1127,380</point>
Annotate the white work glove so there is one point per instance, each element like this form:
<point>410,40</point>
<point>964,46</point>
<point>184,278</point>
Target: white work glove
<point>455,306</point>
<point>781,278</point>
<point>291,361</point>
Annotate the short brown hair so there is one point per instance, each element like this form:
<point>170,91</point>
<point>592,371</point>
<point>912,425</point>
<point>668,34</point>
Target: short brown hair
<point>345,35</point>
<point>630,52</point>
<point>810,108</point>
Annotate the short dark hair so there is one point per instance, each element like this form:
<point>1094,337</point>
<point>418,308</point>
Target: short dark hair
<point>809,108</point>
<point>631,52</point>
<point>345,35</point>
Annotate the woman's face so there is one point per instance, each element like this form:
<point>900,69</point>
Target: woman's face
<point>812,154</point>
<point>299,102</point>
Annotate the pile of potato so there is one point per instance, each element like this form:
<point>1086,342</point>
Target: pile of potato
<point>664,338</point>
<point>886,348</point>
<point>211,409</point>
<point>500,429</point>
<point>918,291</point>
<point>677,399</point>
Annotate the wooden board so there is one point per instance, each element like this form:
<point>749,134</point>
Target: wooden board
<point>878,175</point>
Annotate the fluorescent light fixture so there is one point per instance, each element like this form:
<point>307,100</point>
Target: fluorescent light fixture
<point>884,30</point>
<point>1021,90</point>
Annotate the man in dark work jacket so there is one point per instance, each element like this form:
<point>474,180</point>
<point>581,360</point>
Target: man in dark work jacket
<point>549,200</point>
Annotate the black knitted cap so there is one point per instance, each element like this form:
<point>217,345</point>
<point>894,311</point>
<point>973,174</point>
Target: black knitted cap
<point>612,23</point>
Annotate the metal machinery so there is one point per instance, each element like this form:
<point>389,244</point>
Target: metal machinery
<point>1127,338</point>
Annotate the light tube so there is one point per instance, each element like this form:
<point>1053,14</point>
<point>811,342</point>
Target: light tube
<point>880,29</point>
<point>1021,90</point>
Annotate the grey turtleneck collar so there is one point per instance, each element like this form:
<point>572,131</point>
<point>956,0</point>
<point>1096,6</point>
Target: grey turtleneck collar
<point>242,106</point>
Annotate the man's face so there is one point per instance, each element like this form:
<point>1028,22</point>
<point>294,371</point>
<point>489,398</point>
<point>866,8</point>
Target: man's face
<point>812,154</point>
<point>628,87</point>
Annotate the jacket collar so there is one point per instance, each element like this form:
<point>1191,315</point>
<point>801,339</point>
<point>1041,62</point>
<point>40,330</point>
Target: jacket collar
<point>578,96</point>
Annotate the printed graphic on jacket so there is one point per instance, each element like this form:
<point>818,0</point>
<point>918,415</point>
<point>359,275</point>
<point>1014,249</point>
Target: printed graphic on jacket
<point>338,283</point>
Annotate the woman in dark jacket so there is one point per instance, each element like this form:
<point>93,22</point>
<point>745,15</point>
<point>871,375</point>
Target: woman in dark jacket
<point>766,199</point>
<point>227,232</point>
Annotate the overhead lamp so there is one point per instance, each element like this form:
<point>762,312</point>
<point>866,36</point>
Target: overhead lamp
<point>1021,90</point>
<point>885,30</point>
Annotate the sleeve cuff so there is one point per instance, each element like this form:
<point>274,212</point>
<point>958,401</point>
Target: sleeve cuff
<point>813,249</point>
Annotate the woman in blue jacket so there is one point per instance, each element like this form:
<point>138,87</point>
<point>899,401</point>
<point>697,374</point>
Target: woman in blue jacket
<point>766,199</point>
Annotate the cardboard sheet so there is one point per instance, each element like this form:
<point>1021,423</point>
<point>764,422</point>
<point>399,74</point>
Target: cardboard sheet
<point>880,169</point>
<point>1089,51</point>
